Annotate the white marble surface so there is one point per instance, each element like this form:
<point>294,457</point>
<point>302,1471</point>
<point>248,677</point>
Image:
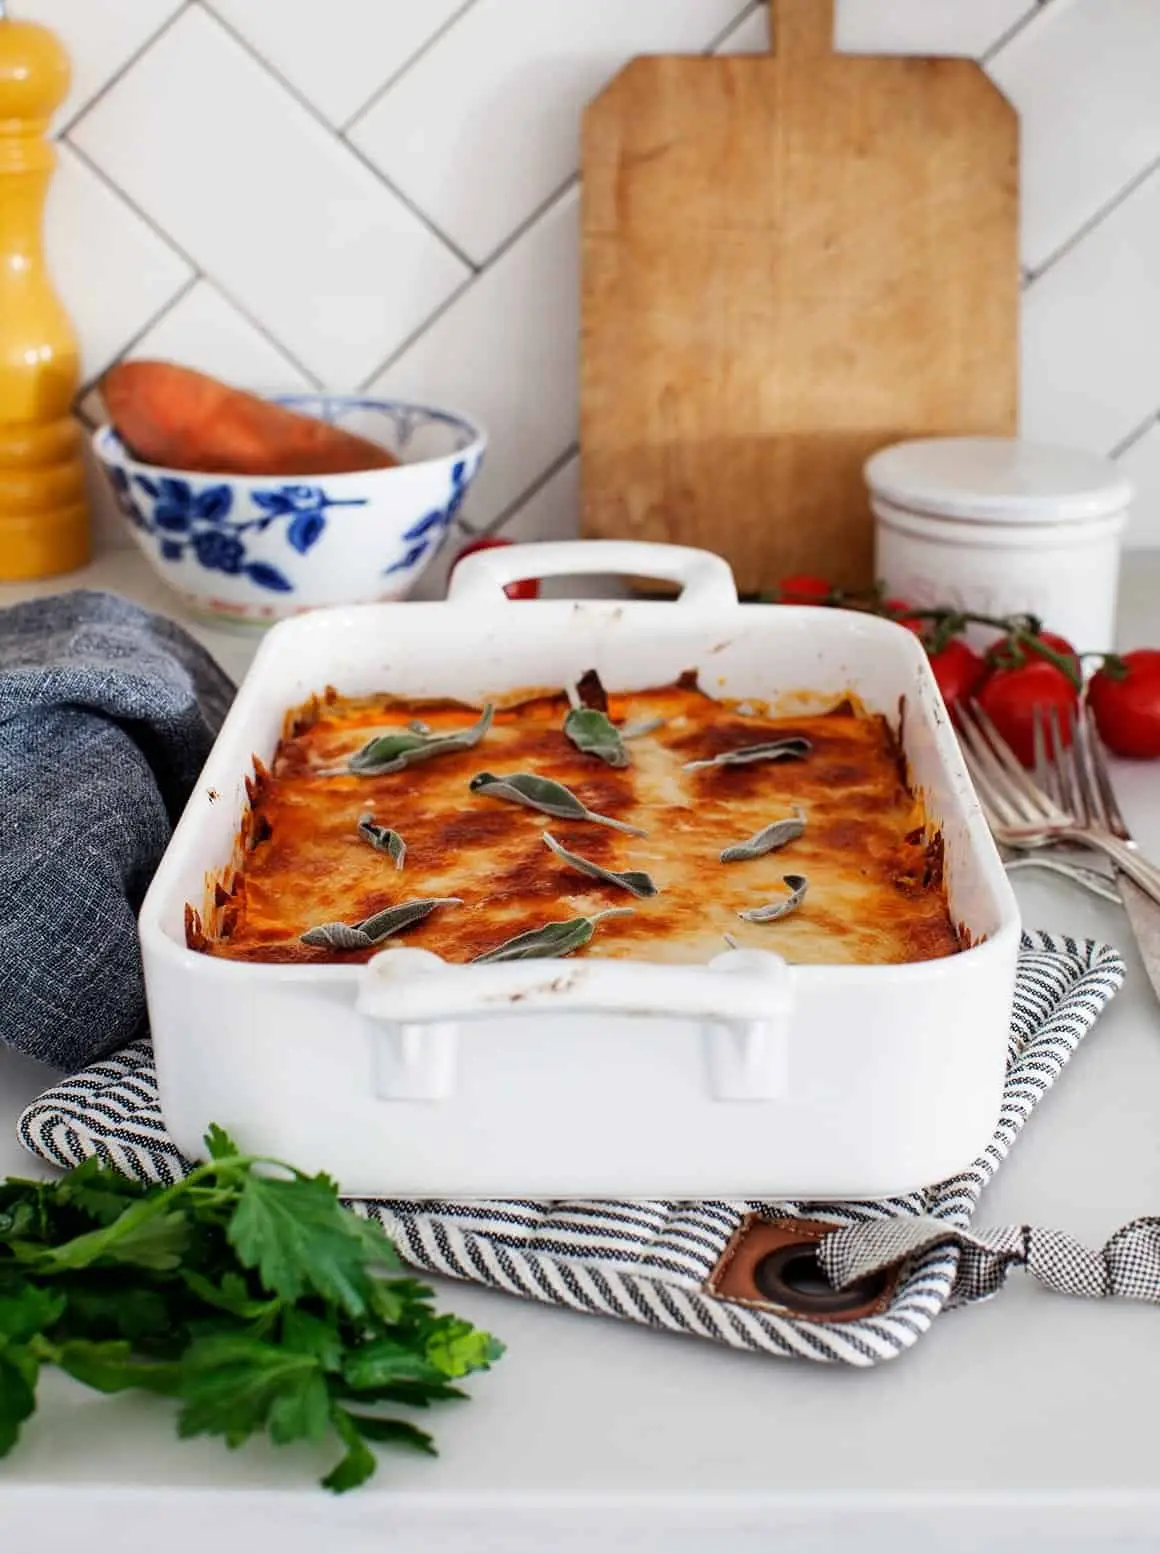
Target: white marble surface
<point>1027,1423</point>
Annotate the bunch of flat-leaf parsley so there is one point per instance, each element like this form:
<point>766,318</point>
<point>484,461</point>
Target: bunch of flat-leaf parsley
<point>246,1291</point>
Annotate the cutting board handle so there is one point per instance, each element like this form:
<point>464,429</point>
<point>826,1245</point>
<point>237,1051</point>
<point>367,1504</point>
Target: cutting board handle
<point>801,28</point>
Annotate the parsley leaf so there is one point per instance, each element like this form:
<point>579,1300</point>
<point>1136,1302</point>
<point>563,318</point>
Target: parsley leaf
<point>298,1237</point>
<point>256,1300</point>
<point>139,1235</point>
<point>359,1462</point>
<point>25,1311</point>
<point>18,1372</point>
<point>233,1383</point>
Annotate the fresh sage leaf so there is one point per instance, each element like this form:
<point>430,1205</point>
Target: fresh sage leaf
<point>551,941</point>
<point>779,834</point>
<point>593,733</point>
<point>798,885</point>
<point>393,920</point>
<point>383,839</point>
<point>633,880</point>
<point>373,930</point>
<point>336,936</point>
<point>392,752</point>
<point>546,796</point>
<point>640,728</point>
<point>772,750</point>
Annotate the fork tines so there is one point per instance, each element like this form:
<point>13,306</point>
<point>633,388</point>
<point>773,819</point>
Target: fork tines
<point>1005,788</point>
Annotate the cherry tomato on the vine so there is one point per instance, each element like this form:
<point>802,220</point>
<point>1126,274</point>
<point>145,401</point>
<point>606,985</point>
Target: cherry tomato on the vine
<point>1126,707</point>
<point>959,671</point>
<point>1005,654</point>
<point>803,588</point>
<point>1011,698</point>
<point>525,588</point>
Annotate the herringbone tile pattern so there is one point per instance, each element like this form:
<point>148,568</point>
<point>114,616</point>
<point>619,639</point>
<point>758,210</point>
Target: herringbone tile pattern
<point>382,193</point>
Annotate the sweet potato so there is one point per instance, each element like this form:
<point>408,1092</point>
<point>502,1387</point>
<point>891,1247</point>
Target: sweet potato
<point>182,419</point>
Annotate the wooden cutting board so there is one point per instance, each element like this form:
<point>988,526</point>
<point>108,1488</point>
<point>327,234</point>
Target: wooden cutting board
<point>789,261</point>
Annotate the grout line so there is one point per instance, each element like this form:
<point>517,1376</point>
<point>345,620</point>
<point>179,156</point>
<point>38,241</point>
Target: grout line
<point>518,503</point>
<point>469,281</point>
<point>256,324</point>
<point>154,318</point>
<point>1087,227</point>
<point>742,16</point>
<point>198,274</point>
<point>525,226</point>
<point>1030,15</point>
<point>418,332</point>
<point>384,87</point>
<point>360,156</point>
<point>143,215</point>
<point>123,70</point>
<point>1134,436</point>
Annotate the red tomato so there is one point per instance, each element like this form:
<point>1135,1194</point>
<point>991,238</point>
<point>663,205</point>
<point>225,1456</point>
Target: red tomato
<point>803,588</point>
<point>526,588</point>
<point>1010,697</point>
<point>914,624</point>
<point>958,670</point>
<point>1127,710</point>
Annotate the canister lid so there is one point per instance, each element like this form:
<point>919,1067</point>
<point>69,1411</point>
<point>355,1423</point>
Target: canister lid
<point>997,480</point>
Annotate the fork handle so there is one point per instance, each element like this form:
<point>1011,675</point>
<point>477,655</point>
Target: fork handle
<point>1129,862</point>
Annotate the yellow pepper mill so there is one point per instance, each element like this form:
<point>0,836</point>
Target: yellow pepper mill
<point>44,520</point>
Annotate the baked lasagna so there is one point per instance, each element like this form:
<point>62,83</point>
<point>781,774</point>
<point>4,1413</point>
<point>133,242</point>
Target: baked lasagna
<point>661,825</point>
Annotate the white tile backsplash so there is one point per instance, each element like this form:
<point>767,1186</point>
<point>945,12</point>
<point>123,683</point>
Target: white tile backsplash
<point>300,192</point>
<point>935,27</point>
<point>91,232</point>
<point>1141,463</point>
<point>480,148</point>
<point>206,331</point>
<point>1091,372</point>
<point>552,512</point>
<point>958,27</point>
<point>509,344</point>
<point>248,183</point>
<point>101,36</point>
<point>337,55</point>
<point>1084,77</point>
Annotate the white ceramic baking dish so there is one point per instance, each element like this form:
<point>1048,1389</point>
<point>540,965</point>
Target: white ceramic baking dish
<point>747,1077</point>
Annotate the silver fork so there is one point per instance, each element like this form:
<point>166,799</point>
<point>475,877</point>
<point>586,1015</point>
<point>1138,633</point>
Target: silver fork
<point>1080,771</point>
<point>1023,816</point>
<point>1096,882</point>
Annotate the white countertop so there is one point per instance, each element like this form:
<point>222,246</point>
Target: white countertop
<point>1025,1423</point>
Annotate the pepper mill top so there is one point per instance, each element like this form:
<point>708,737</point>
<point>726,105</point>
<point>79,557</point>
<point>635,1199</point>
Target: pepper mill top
<point>34,75</point>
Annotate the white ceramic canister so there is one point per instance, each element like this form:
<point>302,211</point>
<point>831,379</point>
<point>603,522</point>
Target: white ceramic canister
<point>1002,527</point>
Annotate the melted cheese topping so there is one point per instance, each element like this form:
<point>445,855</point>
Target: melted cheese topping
<point>875,890</point>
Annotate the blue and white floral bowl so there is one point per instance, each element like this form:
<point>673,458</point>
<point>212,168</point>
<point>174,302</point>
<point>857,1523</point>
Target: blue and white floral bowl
<point>254,549</point>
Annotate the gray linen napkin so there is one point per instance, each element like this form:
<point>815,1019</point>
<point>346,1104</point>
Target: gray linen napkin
<point>107,713</point>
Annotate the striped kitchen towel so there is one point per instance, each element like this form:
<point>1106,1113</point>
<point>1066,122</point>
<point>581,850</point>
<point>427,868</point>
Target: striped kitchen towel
<point>654,1262</point>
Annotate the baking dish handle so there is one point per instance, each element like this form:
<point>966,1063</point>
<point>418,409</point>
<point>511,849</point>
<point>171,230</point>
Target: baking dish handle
<point>416,1003</point>
<point>706,579</point>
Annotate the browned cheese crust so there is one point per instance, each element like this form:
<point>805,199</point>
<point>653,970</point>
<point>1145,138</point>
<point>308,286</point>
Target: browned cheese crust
<point>875,894</point>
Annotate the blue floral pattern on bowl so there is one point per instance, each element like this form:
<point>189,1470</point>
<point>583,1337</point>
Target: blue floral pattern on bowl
<point>429,532</point>
<point>252,548</point>
<point>198,522</point>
